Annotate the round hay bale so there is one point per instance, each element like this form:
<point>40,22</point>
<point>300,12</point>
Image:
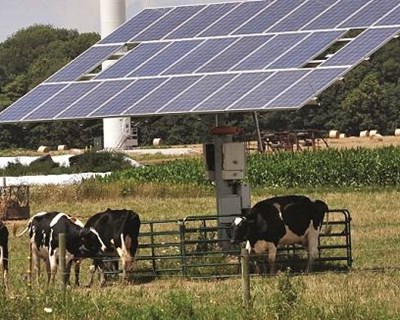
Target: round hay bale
<point>364,133</point>
<point>342,136</point>
<point>377,137</point>
<point>62,147</point>
<point>397,132</point>
<point>334,134</point>
<point>43,149</point>
<point>373,133</point>
<point>157,142</point>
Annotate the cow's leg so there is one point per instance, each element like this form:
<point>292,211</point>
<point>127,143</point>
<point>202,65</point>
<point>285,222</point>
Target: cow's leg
<point>312,247</point>
<point>272,258</point>
<point>77,268</point>
<point>36,265</point>
<point>53,266</point>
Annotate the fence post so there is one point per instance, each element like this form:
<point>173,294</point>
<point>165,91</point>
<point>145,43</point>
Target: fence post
<point>61,257</point>
<point>245,277</point>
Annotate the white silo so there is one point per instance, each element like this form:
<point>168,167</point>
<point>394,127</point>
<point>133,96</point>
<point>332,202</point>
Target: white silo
<point>115,130</point>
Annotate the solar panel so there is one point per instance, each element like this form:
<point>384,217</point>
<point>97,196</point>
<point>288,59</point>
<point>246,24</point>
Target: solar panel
<point>234,19</point>
<point>361,47</point>
<point>393,18</point>
<point>61,100</point>
<point>204,18</point>
<point>84,63</point>
<point>301,16</point>
<point>136,25</point>
<point>335,15</point>
<point>101,94</point>
<point>270,51</point>
<point>259,96</point>
<point>194,95</point>
<point>370,13</point>
<point>168,23</point>
<point>268,17</point>
<point>157,99</point>
<point>30,101</point>
<point>234,54</point>
<point>132,60</point>
<point>228,57</point>
<point>165,58</point>
<point>200,55</point>
<point>306,50</point>
<point>136,91</point>
<point>302,91</point>
<point>232,91</point>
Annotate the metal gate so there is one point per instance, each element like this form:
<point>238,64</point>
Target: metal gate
<point>190,247</point>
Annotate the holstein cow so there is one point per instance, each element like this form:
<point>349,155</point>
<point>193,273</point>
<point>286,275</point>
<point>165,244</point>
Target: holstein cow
<point>4,251</point>
<point>119,231</point>
<point>281,221</point>
<point>44,230</point>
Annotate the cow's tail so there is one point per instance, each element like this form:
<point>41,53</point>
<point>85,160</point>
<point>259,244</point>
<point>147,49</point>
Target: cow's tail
<point>21,233</point>
<point>328,228</point>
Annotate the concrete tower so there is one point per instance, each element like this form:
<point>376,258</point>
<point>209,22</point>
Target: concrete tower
<point>116,131</point>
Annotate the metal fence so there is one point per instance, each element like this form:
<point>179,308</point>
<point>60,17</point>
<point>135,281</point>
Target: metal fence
<point>191,247</point>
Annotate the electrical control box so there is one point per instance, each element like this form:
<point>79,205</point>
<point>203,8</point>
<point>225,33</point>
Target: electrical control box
<point>229,205</point>
<point>234,160</point>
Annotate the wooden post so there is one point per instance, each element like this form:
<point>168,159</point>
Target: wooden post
<point>245,277</point>
<point>61,256</point>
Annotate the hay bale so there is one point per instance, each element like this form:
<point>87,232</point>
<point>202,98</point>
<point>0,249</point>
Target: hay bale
<point>43,149</point>
<point>373,133</point>
<point>157,142</point>
<point>342,136</point>
<point>364,133</point>
<point>334,134</point>
<point>62,147</point>
<point>397,132</point>
<point>377,137</point>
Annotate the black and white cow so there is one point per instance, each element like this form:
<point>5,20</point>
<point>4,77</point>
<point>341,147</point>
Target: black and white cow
<point>44,230</point>
<point>4,251</point>
<point>281,221</point>
<point>119,231</point>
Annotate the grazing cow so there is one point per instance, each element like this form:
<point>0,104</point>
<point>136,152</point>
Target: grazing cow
<point>119,231</point>
<point>281,221</point>
<point>4,251</point>
<point>44,229</point>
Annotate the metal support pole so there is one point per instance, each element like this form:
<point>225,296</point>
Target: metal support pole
<point>260,146</point>
<point>61,258</point>
<point>245,277</point>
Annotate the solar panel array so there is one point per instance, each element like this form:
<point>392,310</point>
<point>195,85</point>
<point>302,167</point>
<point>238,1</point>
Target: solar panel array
<point>228,57</point>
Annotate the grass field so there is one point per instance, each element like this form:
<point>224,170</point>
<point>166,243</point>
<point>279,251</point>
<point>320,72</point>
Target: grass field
<point>369,291</point>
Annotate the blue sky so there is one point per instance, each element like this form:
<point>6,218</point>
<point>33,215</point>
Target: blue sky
<point>82,15</point>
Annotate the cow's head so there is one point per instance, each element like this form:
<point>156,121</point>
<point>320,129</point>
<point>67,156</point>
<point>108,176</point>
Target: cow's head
<point>239,229</point>
<point>91,244</point>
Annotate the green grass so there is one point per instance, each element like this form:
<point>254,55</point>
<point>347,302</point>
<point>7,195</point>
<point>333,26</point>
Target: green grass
<point>360,294</point>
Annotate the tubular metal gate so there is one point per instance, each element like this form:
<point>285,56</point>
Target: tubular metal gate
<point>190,247</point>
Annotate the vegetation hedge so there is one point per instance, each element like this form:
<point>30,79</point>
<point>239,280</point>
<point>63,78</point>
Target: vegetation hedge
<point>325,168</point>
